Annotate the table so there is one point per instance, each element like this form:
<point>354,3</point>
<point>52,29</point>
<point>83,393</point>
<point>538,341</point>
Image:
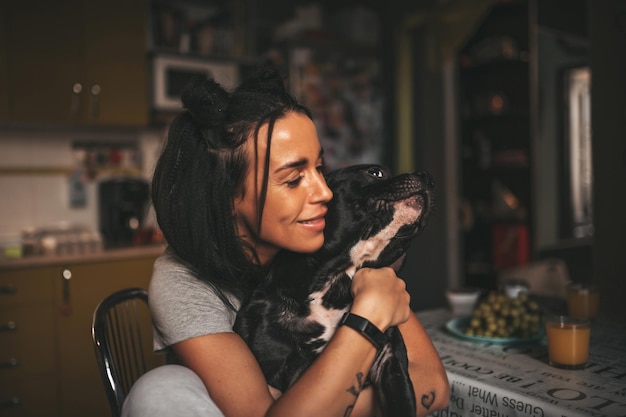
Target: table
<point>496,380</point>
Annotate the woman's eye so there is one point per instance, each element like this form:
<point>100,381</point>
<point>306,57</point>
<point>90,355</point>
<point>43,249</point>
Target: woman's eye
<point>294,183</point>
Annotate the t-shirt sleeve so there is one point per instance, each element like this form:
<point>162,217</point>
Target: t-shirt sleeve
<point>183,306</point>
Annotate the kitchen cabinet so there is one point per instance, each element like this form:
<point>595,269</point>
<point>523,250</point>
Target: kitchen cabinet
<point>494,81</point>
<point>48,362</point>
<point>76,62</point>
<point>77,298</point>
<point>28,382</point>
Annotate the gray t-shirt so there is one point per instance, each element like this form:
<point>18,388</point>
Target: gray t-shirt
<point>183,306</point>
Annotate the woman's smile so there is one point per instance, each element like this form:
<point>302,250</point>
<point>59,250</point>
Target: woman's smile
<point>315,224</point>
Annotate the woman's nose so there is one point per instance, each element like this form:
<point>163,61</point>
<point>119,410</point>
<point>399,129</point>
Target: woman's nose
<point>322,192</point>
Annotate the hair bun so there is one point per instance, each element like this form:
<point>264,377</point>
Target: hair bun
<point>206,100</point>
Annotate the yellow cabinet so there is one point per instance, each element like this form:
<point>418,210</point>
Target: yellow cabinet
<point>47,360</point>
<point>78,297</point>
<point>28,379</point>
<point>76,62</point>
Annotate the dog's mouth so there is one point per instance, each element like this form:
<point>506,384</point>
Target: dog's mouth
<point>408,186</point>
<point>418,201</point>
<point>415,209</point>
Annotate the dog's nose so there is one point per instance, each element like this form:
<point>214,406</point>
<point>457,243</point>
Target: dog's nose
<point>426,179</point>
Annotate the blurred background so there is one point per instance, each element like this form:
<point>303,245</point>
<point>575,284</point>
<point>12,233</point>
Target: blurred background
<point>517,108</point>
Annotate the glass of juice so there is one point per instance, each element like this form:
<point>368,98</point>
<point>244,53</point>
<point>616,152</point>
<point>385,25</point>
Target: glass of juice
<point>582,301</point>
<point>568,341</point>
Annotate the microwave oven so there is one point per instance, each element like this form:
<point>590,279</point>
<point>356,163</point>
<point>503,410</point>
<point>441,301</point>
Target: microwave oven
<point>170,74</point>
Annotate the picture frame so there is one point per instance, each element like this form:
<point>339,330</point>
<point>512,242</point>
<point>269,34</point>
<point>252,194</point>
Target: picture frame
<point>171,73</point>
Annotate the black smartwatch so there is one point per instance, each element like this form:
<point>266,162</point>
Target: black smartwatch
<point>366,328</point>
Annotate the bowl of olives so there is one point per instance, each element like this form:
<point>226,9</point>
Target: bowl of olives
<point>500,318</point>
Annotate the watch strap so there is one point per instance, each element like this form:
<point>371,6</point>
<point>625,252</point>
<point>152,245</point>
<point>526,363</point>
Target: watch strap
<point>366,328</point>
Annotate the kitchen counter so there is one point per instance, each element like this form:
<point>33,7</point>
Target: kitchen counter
<point>97,256</point>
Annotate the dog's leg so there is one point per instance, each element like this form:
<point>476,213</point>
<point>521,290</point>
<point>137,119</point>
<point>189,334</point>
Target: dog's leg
<point>390,376</point>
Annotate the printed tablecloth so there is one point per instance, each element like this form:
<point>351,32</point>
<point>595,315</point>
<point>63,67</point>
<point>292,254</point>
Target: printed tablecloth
<point>495,380</point>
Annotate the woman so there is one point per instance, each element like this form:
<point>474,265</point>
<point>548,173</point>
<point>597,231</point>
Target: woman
<point>240,179</point>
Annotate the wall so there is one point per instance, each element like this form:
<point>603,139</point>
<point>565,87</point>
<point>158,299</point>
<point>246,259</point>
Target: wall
<point>34,176</point>
<point>608,57</point>
<point>430,266</point>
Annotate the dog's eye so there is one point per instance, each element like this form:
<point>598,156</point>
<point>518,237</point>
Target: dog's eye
<point>376,172</point>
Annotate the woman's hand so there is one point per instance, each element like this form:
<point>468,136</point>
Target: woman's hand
<point>381,297</point>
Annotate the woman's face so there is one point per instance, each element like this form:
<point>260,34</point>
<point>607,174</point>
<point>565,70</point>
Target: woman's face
<point>295,205</point>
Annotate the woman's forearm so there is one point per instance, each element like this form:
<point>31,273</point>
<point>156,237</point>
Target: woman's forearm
<point>331,385</point>
<point>427,373</point>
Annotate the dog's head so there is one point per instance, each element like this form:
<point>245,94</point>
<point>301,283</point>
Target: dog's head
<point>375,216</point>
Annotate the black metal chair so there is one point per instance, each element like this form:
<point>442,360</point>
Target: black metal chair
<point>122,338</point>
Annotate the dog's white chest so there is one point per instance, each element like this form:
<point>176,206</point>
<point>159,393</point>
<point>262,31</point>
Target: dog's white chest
<point>328,318</point>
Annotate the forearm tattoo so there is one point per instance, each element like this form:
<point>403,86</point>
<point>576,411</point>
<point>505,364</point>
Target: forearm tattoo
<point>360,384</point>
<point>428,400</point>
<point>355,391</point>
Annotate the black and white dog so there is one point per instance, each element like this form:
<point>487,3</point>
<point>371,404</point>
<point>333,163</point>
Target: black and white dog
<point>289,319</point>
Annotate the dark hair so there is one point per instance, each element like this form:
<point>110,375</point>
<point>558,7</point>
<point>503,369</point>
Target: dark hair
<point>203,167</point>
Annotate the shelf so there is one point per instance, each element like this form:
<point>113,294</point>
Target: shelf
<point>494,82</point>
<point>208,29</point>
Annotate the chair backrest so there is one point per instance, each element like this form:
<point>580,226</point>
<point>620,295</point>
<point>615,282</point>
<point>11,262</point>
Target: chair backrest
<point>122,338</point>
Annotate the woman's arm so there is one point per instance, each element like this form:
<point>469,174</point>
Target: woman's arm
<point>427,373</point>
<point>234,380</point>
